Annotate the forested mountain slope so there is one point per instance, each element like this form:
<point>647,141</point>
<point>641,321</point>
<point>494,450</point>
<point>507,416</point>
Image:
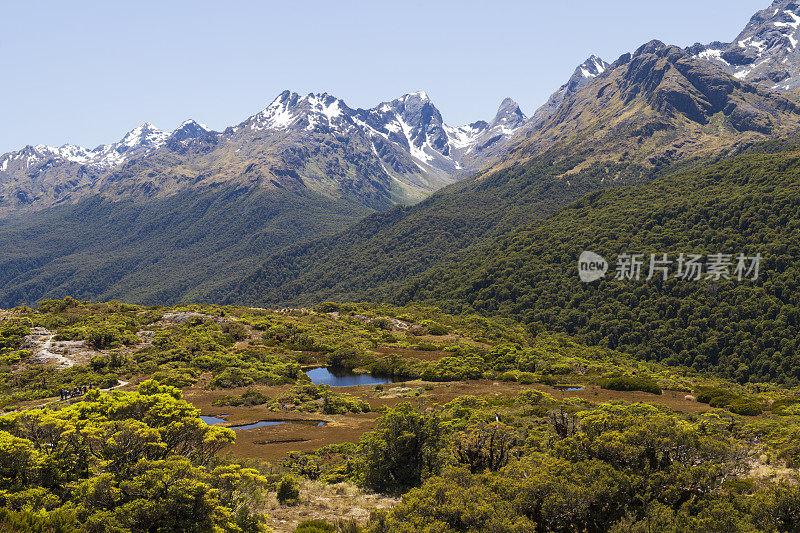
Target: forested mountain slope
<point>746,330</point>
<point>650,113</point>
<point>161,249</point>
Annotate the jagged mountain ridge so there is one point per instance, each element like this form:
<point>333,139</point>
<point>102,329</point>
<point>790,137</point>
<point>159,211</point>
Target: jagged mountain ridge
<point>660,105</point>
<point>584,73</point>
<point>137,141</point>
<point>765,51</point>
<point>398,152</point>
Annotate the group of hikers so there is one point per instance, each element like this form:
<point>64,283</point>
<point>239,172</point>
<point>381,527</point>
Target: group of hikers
<point>74,392</point>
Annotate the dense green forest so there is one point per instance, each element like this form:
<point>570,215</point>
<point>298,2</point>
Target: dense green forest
<point>159,250</point>
<point>746,330</point>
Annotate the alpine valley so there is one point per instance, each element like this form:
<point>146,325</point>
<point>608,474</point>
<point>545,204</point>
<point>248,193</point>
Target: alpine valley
<point>163,216</point>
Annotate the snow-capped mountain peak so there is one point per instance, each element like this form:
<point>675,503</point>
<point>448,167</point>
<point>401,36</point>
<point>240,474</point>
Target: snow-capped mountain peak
<point>309,112</point>
<point>405,138</point>
<point>592,67</point>
<point>420,95</point>
<point>144,138</point>
<point>584,73</point>
<point>766,51</point>
<point>509,116</point>
<point>190,129</point>
<point>146,134</point>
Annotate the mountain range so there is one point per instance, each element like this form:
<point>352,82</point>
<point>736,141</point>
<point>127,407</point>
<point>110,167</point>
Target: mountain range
<point>398,152</point>
<point>652,112</point>
<point>272,210</point>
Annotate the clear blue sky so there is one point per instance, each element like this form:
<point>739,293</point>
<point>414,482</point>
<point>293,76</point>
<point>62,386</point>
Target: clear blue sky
<point>86,72</point>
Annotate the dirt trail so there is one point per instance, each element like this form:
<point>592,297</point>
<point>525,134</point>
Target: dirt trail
<point>45,353</point>
<point>120,383</point>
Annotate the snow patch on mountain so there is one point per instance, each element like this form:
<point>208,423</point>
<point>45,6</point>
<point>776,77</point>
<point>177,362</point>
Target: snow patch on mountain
<point>766,51</point>
<point>463,136</point>
<point>593,67</point>
<point>140,140</point>
<point>403,135</point>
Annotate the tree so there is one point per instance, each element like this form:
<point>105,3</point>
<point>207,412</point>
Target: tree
<point>485,446</point>
<point>402,452</point>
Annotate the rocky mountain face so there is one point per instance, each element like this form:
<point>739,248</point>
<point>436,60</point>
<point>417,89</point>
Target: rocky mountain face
<point>40,176</point>
<point>398,152</point>
<point>765,52</point>
<point>660,105</point>
<point>584,73</point>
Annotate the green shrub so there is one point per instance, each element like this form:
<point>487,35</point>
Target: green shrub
<point>381,323</point>
<point>288,491</point>
<point>631,383</point>
<point>339,404</point>
<point>782,407</point>
<point>745,407</point>
<point>344,357</point>
<point>527,378</point>
<point>15,357</point>
<point>175,379</point>
<point>403,450</point>
<point>236,330</point>
<point>12,336</point>
<point>305,398</point>
<point>438,329</point>
<point>314,526</point>
<point>717,397</point>
<point>327,307</point>
<point>560,370</point>
<point>103,337</point>
<point>534,397</point>
<point>231,378</point>
<point>248,398</point>
<point>547,380</point>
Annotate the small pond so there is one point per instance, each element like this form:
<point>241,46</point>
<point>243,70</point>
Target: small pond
<point>339,377</point>
<point>567,388</point>
<point>264,423</point>
<point>260,424</point>
<point>212,420</point>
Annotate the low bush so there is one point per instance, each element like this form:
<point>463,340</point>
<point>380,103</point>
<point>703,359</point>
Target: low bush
<point>631,383</point>
<point>547,380</point>
<point>437,329</point>
<point>745,407</point>
<point>288,491</point>
<point>248,398</point>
